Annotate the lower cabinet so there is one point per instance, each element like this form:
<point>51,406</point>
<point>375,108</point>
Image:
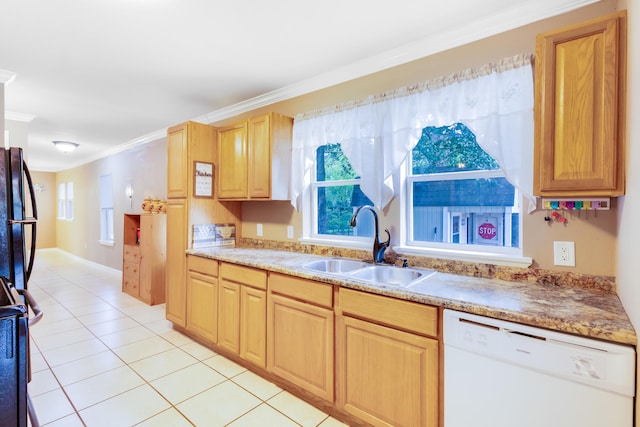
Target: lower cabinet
<point>372,358</point>
<point>242,307</point>
<point>202,297</point>
<point>253,316</point>
<point>387,360</point>
<point>300,330</point>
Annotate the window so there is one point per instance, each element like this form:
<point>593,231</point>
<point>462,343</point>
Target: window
<point>65,200</point>
<point>457,194</point>
<point>106,209</point>
<point>336,194</point>
<point>457,203</point>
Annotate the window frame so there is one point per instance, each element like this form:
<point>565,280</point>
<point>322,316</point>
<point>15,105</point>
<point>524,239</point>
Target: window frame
<point>506,256</point>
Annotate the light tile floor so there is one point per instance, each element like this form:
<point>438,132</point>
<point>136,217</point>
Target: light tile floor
<point>102,358</point>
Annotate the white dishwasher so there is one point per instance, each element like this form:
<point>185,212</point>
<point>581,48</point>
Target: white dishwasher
<point>503,374</point>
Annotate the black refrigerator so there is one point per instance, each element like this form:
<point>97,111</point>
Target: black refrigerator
<point>16,199</point>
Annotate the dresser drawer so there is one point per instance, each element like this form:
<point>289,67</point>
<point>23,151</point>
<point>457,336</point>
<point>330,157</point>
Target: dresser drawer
<point>131,253</point>
<point>131,269</point>
<point>131,284</point>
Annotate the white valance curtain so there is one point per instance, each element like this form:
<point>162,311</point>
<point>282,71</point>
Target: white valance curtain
<point>377,134</point>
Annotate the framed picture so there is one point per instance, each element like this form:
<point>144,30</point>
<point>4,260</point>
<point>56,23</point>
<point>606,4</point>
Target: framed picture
<point>203,179</point>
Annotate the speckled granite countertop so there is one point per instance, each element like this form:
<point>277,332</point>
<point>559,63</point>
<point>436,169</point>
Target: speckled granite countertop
<point>587,312</point>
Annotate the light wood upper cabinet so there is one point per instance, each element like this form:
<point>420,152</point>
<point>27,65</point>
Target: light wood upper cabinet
<point>259,143</point>
<point>177,159</point>
<point>254,158</point>
<point>580,75</point>
<point>232,162</point>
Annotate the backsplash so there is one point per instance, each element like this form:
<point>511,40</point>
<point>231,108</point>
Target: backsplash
<point>488,271</point>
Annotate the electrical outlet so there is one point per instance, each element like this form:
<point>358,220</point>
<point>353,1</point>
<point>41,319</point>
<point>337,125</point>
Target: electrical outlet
<point>259,230</point>
<point>290,232</point>
<point>564,253</point>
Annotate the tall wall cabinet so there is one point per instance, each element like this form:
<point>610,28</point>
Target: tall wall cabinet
<point>188,143</point>
<point>580,80</point>
<point>144,255</point>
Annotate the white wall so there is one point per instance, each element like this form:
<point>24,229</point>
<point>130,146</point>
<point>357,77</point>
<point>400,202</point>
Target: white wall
<point>629,223</point>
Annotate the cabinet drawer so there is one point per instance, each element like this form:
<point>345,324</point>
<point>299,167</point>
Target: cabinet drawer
<point>131,253</point>
<point>302,289</point>
<point>419,318</point>
<point>131,269</point>
<point>244,275</point>
<point>202,265</point>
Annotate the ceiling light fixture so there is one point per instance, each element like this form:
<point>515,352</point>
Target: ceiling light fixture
<point>65,146</point>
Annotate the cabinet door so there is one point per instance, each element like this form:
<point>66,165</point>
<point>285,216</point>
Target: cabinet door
<point>229,316</point>
<point>259,157</point>
<point>253,330</point>
<point>300,344</point>
<point>202,305</point>
<point>232,162</point>
<point>578,135</point>
<point>177,162</point>
<point>386,377</point>
<point>177,226</point>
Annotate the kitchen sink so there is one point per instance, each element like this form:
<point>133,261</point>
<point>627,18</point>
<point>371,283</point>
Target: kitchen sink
<point>374,273</point>
<point>336,265</point>
<point>388,275</point>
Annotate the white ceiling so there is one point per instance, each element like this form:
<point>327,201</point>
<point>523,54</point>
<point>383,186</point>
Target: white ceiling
<point>110,74</point>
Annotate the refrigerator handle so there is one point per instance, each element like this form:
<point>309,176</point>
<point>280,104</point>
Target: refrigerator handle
<point>31,302</point>
<point>34,207</point>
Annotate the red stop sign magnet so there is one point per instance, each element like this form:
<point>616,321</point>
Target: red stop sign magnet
<point>487,231</point>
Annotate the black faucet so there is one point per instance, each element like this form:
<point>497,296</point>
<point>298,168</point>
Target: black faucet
<point>378,246</point>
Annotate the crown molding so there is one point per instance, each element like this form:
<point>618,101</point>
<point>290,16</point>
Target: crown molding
<point>18,117</point>
<point>7,77</point>
<point>474,31</point>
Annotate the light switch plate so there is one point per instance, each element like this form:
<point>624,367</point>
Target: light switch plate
<point>290,232</point>
<point>259,230</point>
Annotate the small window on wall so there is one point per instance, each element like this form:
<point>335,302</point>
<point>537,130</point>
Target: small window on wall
<point>106,210</point>
<point>65,200</point>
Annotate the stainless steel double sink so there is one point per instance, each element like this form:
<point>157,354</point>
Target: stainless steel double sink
<point>374,273</point>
